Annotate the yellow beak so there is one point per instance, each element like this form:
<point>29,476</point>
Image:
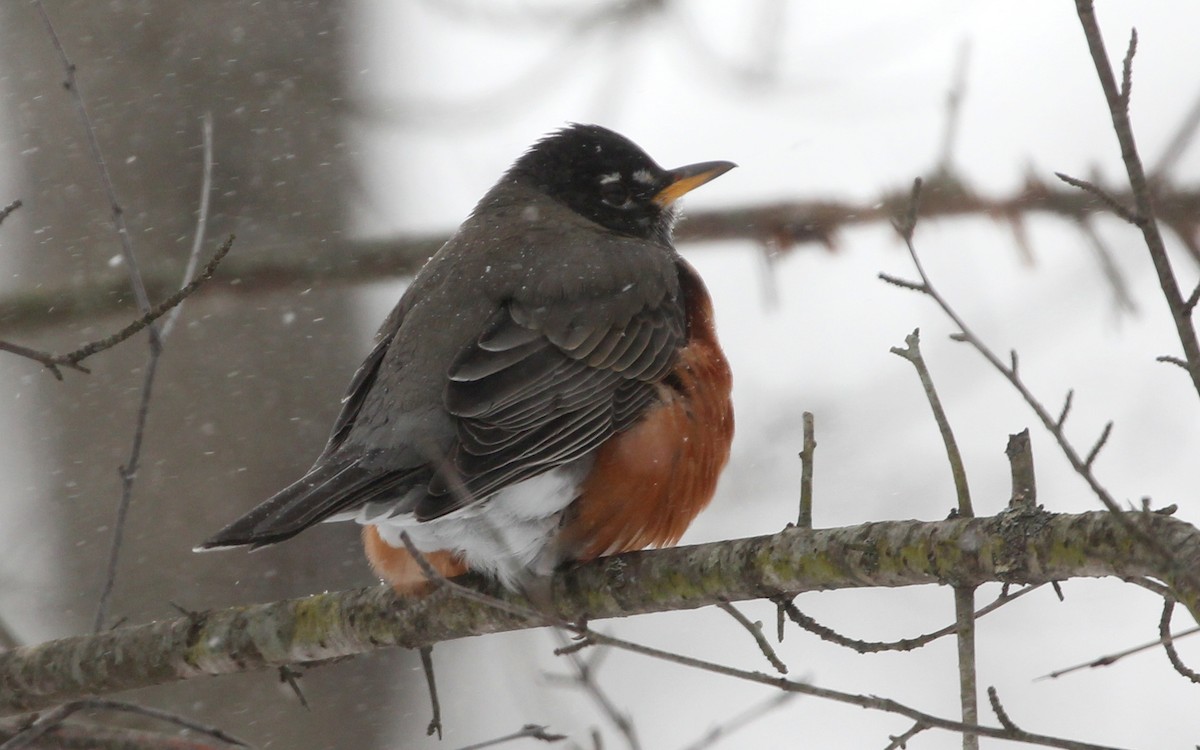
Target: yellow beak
<point>687,179</point>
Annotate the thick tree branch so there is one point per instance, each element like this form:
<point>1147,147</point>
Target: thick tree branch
<point>1020,546</point>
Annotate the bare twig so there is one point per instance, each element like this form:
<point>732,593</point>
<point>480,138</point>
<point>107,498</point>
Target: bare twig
<point>912,352</point>
<point>755,631</point>
<point>189,272</point>
<point>1100,443</point>
<point>954,100</point>
<point>1009,372</point>
<point>435,721</point>
<point>1110,659</point>
<point>906,644</point>
<point>54,718</point>
<point>73,358</point>
<point>806,472</point>
<point>968,692</point>
<point>527,732</point>
<point>129,470</point>
<point>1066,409</point>
<point>865,701</point>
<point>998,709</point>
<point>900,742</point>
<point>291,676</point>
<point>4,212</point>
<point>1168,642</point>
<point>110,191</point>
<point>1020,462</point>
<point>1118,107</point>
<point>1178,144</point>
<point>1089,187</point>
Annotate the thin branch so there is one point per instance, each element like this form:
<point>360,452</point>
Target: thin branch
<point>912,352</point>
<point>1110,659</point>
<point>82,735</point>
<point>1118,107</point>
<point>73,358</point>
<point>1100,443</point>
<point>291,676</point>
<point>1113,204</point>
<point>865,701</point>
<point>1168,642</point>
<point>804,520</point>
<point>4,212</point>
<point>899,742</point>
<point>52,719</point>
<point>1192,576</point>
<point>755,631</point>
<point>968,692</point>
<point>905,644</point>
<point>1020,462</point>
<point>1066,409</point>
<point>189,272</point>
<point>529,731</point>
<point>157,339</point>
<point>110,191</point>
<point>435,721</point>
<point>998,709</point>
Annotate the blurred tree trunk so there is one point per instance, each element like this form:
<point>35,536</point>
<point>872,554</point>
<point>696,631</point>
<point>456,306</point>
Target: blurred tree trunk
<point>233,416</point>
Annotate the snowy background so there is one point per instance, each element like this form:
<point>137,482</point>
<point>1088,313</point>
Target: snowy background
<point>812,100</point>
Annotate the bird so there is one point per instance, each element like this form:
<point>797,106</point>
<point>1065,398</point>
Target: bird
<point>549,389</point>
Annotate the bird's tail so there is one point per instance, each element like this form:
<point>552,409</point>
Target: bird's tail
<point>328,488</point>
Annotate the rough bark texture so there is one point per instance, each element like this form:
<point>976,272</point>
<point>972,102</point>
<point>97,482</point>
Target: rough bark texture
<point>1025,546</point>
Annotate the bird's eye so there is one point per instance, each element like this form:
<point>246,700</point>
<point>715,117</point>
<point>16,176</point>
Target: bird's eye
<point>615,194</point>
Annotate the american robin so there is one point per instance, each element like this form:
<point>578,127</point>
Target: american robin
<point>549,388</point>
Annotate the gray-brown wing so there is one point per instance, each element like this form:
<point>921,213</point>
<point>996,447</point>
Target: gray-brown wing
<point>542,386</point>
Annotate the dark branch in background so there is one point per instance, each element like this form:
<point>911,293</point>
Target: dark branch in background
<point>788,224</point>
<point>1184,135</point>
<point>722,731</point>
<point>53,719</point>
<point>954,100</point>
<point>1144,219</point>
<point>72,359</point>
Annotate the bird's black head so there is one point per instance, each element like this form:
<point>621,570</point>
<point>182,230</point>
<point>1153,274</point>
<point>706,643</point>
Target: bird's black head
<point>605,177</point>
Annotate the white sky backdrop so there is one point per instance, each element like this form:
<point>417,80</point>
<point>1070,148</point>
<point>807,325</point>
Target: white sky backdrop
<point>858,108</point>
